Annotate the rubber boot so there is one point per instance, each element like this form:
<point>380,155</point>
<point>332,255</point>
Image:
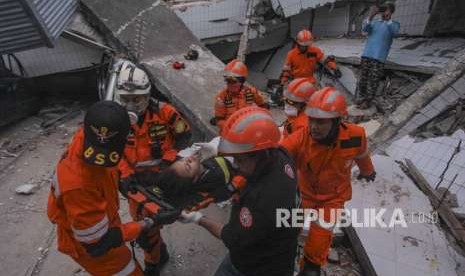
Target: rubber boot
<point>151,269</point>
<point>154,269</point>
<point>164,255</point>
<point>310,269</point>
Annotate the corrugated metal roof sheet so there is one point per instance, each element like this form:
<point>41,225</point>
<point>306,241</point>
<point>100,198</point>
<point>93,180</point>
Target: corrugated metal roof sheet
<point>29,24</point>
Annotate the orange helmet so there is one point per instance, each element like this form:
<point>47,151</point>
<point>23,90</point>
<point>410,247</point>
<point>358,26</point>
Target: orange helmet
<point>304,38</point>
<point>236,68</point>
<point>326,103</point>
<point>300,90</point>
<point>249,129</point>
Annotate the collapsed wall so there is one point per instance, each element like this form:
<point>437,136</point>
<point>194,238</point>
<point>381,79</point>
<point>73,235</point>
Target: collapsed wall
<point>166,39</point>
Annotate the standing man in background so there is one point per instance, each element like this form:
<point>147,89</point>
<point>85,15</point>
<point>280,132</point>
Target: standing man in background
<point>381,33</point>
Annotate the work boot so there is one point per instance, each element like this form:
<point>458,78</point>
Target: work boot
<point>310,269</point>
<point>151,269</point>
<point>164,255</point>
<point>154,269</point>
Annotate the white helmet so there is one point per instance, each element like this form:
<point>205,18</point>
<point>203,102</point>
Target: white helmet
<point>132,82</point>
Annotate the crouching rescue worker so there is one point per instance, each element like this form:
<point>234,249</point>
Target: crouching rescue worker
<point>153,142</point>
<point>296,96</point>
<point>324,154</point>
<point>257,246</point>
<point>303,60</point>
<point>84,201</point>
<point>236,95</point>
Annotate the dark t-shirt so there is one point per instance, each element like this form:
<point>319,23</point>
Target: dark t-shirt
<point>256,245</point>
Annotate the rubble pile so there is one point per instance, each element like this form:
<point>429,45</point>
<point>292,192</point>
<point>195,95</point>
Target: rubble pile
<point>446,123</point>
<point>392,90</point>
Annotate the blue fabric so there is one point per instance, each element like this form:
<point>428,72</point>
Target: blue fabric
<point>380,36</point>
<point>226,268</point>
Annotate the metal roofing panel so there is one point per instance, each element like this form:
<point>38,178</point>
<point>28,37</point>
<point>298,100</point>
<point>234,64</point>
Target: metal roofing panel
<point>65,56</point>
<point>27,24</point>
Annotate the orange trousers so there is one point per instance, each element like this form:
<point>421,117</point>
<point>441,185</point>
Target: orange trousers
<point>319,239</point>
<point>117,261</point>
<point>154,235</point>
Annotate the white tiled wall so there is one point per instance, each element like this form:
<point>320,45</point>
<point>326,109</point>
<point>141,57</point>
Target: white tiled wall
<point>331,22</point>
<point>412,15</point>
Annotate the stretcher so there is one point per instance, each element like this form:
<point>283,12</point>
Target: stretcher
<point>150,201</point>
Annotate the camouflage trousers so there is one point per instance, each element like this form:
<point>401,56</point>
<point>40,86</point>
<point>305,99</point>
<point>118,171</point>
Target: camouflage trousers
<point>370,75</point>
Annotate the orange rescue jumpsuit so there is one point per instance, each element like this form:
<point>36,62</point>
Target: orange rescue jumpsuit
<point>83,203</point>
<point>150,144</point>
<point>303,65</point>
<point>227,103</point>
<point>292,124</point>
<point>324,178</point>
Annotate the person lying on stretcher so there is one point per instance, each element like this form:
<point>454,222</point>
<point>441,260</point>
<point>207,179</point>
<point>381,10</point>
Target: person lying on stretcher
<point>192,182</point>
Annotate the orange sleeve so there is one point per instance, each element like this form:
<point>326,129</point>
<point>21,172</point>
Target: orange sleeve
<point>220,108</point>
<point>293,142</point>
<point>86,213</point>
<point>125,168</point>
<point>178,125</point>
<point>258,98</point>
<point>319,54</point>
<point>363,159</point>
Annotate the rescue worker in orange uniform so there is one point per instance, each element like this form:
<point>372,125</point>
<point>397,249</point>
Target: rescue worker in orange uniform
<point>153,142</point>
<point>84,202</point>
<point>324,154</point>
<point>296,96</point>
<point>303,60</point>
<point>236,94</point>
<point>257,246</point>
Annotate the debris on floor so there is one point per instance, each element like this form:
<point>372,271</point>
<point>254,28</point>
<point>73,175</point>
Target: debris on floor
<point>446,123</point>
<point>26,189</point>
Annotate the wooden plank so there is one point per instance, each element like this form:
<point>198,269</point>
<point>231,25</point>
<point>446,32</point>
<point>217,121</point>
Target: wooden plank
<point>360,253</point>
<point>457,229</point>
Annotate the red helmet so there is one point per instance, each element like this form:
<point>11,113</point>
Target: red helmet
<point>300,90</point>
<point>326,103</point>
<point>249,129</point>
<point>304,38</point>
<point>236,68</point>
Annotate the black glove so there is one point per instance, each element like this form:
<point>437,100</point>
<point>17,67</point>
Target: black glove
<point>368,178</point>
<point>265,106</point>
<point>337,73</point>
<point>222,193</point>
<point>213,121</point>
<point>144,241</point>
<point>166,217</point>
<point>127,184</point>
<point>112,239</point>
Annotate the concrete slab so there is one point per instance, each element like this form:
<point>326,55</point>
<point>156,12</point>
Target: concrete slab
<point>413,54</point>
<point>431,157</point>
<point>421,248</point>
<point>192,89</point>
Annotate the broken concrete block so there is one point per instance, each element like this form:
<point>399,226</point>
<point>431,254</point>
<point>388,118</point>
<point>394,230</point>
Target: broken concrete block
<point>333,256</point>
<point>356,114</point>
<point>26,189</point>
<point>370,126</point>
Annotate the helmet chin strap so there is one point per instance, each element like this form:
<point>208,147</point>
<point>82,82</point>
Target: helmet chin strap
<point>331,138</point>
